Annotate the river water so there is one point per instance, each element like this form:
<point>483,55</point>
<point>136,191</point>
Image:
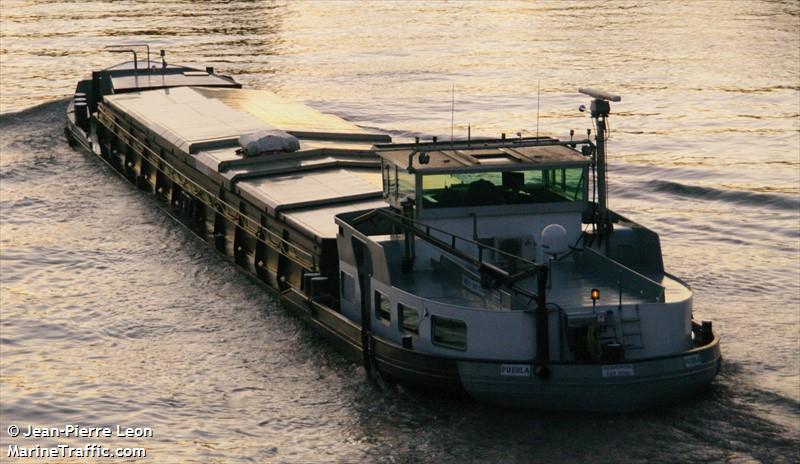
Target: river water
<point>114,314</point>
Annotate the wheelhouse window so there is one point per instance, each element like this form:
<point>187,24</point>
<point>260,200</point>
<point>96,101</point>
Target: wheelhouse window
<point>449,333</point>
<point>383,308</point>
<point>503,188</point>
<point>389,180</point>
<point>386,167</point>
<point>409,319</point>
<point>406,184</point>
<point>566,182</point>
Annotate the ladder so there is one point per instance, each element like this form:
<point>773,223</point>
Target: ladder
<point>631,327</point>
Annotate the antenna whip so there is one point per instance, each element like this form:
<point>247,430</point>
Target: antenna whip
<point>538,99</point>
<point>452,113</point>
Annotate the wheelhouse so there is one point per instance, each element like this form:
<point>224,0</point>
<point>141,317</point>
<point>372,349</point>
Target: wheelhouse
<point>486,177</point>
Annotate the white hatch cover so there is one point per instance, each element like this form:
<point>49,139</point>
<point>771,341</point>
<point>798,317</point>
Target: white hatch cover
<point>186,118</point>
<point>310,188</point>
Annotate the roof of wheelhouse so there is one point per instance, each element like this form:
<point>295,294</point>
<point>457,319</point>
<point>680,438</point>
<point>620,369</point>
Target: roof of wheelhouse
<point>482,155</point>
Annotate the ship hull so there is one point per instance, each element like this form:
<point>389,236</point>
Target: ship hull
<point>618,387</point>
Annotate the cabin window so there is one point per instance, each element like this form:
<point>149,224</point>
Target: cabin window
<point>386,180</point>
<point>503,188</point>
<point>383,309</point>
<point>566,182</point>
<point>348,290</point>
<point>405,184</point>
<point>389,180</point>
<point>409,319</point>
<point>449,333</point>
<point>393,187</point>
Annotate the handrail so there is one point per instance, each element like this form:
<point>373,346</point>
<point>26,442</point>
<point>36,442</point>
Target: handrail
<point>240,217</point>
<point>480,246</point>
<point>624,268</point>
<point>424,231</point>
<point>117,48</point>
<point>413,226</point>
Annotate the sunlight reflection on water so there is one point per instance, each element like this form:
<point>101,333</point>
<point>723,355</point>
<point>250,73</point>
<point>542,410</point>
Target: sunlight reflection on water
<point>112,313</point>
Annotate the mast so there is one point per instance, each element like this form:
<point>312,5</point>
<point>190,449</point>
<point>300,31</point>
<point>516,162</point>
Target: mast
<point>600,109</point>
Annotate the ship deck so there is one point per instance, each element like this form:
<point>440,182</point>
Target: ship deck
<point>570,283</point>
<point>333,172</point>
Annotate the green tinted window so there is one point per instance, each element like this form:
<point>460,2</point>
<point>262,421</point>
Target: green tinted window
<point>383,309</point>
<point>449,333</point>
<point>409,319</point>
<point>389,181</point>
<point>566,182</point>
<point>405,183</point>
<point>503,188</point>
<point>385,176</point>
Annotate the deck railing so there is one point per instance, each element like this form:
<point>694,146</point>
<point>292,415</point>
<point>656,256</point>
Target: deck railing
<point>626,278</point>
<point>515,268</point>
<point>449,242</point>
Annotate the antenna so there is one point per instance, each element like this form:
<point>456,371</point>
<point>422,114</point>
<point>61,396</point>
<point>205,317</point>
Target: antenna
<point>538,99</point>
<point>600,95</point>
<point>452,113</point>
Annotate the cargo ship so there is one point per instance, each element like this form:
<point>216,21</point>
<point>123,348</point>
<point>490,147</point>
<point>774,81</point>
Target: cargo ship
<point>487,266</point>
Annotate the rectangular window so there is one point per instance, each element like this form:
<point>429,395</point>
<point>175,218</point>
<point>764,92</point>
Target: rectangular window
<point>405,184</point>
<point>389,180</point>
<point>394,187</point>
<point>409,319</point>
<point>385,179</point>
<point>571,184</point>
<point>494,158</point>
<point>383,309</point>
<point>348,284</point>
<point>449,333</point>
<point>503,188</point>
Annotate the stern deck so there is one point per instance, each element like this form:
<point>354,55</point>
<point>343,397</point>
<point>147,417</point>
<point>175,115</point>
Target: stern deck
<point>571,281</point>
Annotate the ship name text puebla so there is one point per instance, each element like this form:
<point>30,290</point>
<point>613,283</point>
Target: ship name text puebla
<point>487,266</point>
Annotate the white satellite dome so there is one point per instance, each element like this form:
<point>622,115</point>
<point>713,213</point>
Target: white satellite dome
<point>554,239</point>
